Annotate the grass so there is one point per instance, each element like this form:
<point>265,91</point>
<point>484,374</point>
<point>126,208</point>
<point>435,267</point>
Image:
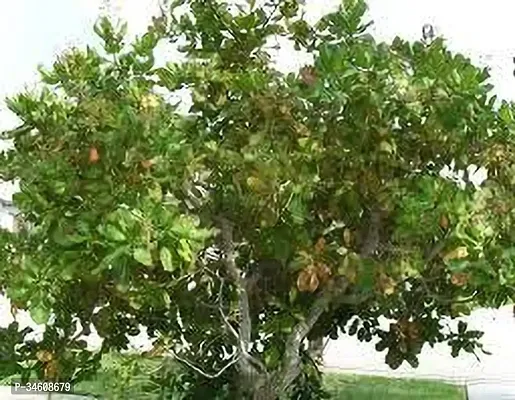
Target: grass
<point>126,377</point>
<point>354,387</point>
<point>122,377</point>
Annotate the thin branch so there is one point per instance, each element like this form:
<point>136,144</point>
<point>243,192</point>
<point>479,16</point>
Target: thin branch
<point>437,247</point>
<point>207,305</point>
<point>227,27</point>
<point>83,331</point>
<point>327,341</point>
<point>435,250</point>
<point>242,349</point>
<point>444,300</point>
<point>200,370</point>
<point>354,299</point>
<point>162,8</point>
<point>224,317</point>
<point>270,16</point>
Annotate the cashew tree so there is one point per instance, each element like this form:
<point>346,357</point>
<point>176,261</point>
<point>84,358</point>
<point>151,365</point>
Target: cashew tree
<point>280,209</point>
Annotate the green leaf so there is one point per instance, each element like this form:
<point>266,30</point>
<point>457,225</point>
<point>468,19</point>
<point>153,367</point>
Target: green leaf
<point>64,240</point>
<point>166,259</point>
<point>184,250</point>
<point>293,295</point>
<point>488,353</point>
<point>166,298</point>
<point>167,78</point>
<point>48,77</point>
<point>143,256</point>
<point>155,192</point>
<point>386,147</point>
<point>114,234</point>
<point>354,327</point>
<point>297,209</point>
<point>289,8</point>
<point>110,259</point>
<point>381,345</point>
<point>148,42</point>
<point>40,314</point>
<point>505,113</point>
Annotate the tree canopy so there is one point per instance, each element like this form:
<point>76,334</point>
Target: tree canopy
<point>282,207</point>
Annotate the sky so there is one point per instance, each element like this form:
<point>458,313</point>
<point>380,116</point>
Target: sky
<point>34,32</point>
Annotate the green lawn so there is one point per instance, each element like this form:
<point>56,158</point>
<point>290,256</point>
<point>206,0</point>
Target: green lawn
<point>124,377</point>
<point>353,387</point>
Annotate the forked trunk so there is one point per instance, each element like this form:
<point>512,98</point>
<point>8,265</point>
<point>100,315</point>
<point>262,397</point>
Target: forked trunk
<point>257,388</point>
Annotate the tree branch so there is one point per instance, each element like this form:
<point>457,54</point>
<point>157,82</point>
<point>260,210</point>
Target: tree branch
<point>243,351</point>
<point>433,252</point>
<point>372,237</point>
<point>245,325</point>
<point>200,370</point>
<point>291,365</point>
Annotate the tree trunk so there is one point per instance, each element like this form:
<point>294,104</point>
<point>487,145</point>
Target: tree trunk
<point>316,350</point>
<point>258,388</point>
<point>265,392</point>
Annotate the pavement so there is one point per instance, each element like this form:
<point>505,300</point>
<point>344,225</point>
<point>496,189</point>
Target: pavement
<point>490,378</point>
<point>490,391</point>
